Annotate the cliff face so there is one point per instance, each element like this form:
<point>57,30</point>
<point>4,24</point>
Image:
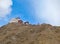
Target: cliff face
<point>14,33</point>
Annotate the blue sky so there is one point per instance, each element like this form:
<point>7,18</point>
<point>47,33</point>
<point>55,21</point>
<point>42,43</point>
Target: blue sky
<point>34,11</point>
<point>22,9</point>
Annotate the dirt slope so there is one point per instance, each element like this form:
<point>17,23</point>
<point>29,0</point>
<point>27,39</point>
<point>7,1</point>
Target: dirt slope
<point>29,34</point>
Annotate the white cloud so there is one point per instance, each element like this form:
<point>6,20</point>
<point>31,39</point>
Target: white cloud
<point>5,7</point>
<point>48,10</point>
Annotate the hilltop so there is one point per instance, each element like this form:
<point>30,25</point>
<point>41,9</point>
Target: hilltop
<point>16,33</point>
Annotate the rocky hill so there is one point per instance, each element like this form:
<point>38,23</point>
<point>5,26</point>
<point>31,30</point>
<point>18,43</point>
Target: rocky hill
<point>14,33</point>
